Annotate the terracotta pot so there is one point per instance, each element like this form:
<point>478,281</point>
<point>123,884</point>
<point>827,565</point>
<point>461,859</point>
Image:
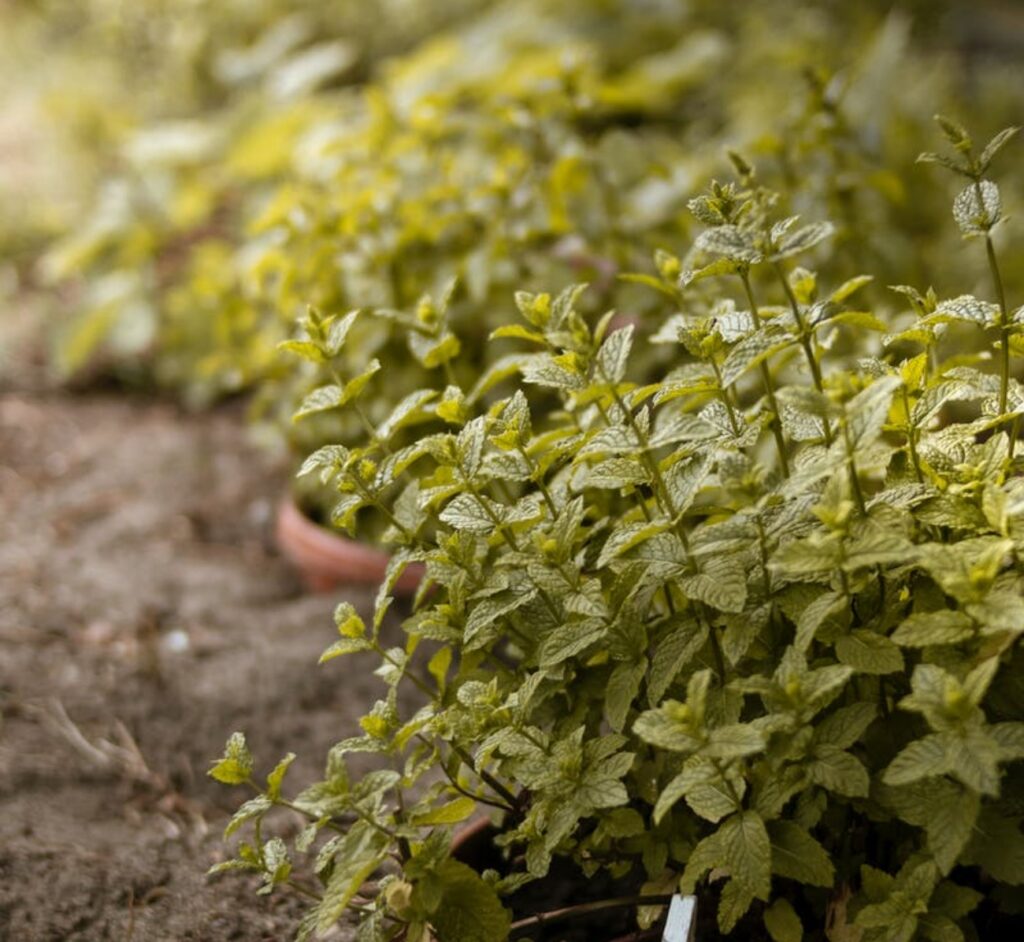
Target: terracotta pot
<point>327,560</point>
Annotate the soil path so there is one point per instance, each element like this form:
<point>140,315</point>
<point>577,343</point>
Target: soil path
<point>141,606</point>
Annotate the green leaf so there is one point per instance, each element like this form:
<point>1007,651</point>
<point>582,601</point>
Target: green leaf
<point>969,309</point>
<point>628,535</point>
<point>815,615</point>
<point>570,639</point>
<point>752,350</point>
<point>544,371</point>
<point>276,777</point>
<point>802,240</point>
<point>993,147</point>
<point>276,865</point>
<point>997,846</point>
<point>950,824</point>
<point>490,610</point>
<point>850,287</point>
<point>660,728</point>
<point>696,771</point>
<point>733,905</point>
<point>867,411</point>
<point>329,460</point>
<point>614,355</point>
<point>920,759</point>
<point>717,268</point>
<point>357,855</point>
<point>471,514</point>
<point>684,479</point>
<point>782,922</point>
<point>433,352</point>
<point>839,772</point>
<point>253,809</point>
<point>868,652</point>
<point>348,622</point>
<point>672,654</point>
<point>451,813</point>
<point>798,856</point>
<point>337,332</point>
<point>734,741</point>
<point>409,410</point>
<point>944,626</point>
<point>977,208</point>
<point>303,348</point>
<point>742,848</point>
<point>469,909</point>
<point>518,332</point>
<point>747,852</point>
<point>723,586</point>
<point>731,242</point>
<point>319,400</point>
<point>621,693</point>
<point>846,725</point>
<point>343,647</point>
<point>596,793</point>
<point>235,767</point>
<point>1010,739</point>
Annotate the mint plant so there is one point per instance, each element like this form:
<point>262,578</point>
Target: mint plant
<point>750,630</point>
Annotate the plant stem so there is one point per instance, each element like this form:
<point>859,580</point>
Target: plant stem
<point>538,480</point>
<point>912,437</point>
<point>484,775</point>
<point>851,463</point>
<point>769,384</point>
<point>304,890</point>
<point>481,799</point>
<point>733,423</point>
<point>716,646</point>
<point>1004,338</point>
<point>560,915</point>
<point>423,686</point>
<point>806,341</point>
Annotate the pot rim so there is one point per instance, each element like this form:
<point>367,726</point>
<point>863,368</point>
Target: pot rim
<point>327,560</point>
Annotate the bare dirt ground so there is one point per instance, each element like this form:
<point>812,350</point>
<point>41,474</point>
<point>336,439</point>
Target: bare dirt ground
<point>142,607</point>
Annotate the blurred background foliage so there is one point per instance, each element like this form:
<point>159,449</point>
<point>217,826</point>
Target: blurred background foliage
<point>184,177</point>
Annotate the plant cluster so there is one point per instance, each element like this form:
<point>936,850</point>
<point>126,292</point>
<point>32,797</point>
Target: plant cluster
<point>747,628</point>
<point>526,145</point>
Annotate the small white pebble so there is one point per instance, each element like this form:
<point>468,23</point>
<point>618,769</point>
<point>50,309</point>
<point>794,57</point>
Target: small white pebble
<point>176,641</point>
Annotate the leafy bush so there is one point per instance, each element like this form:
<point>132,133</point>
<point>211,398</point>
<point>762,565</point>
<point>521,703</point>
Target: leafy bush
<point>750,630</point>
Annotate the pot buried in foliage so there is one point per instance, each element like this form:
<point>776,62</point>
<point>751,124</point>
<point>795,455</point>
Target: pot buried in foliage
<point>327,560</point>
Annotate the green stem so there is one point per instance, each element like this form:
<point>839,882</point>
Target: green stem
<point>769,384</point>
<point>851,463</point>
<point>482,799</point>
<point>762,542</point>
<point>1004,316</point>
<point>912,437</point>
<point>303,890</point>
<point>716,647</point>
<point>806,342</point>
<point>484,775</point>
<point>538,480</point>
<point>422,685</point>
<point>733,422</point>
<point>1004,337</point>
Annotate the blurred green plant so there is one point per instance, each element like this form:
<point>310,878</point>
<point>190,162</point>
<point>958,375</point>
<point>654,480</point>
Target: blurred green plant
<point>296,164</point>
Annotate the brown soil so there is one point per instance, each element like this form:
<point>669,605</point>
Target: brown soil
<point>142,607</point>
